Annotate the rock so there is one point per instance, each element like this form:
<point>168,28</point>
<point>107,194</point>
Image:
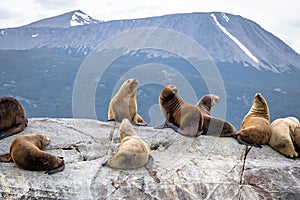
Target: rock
<point>206,167</point>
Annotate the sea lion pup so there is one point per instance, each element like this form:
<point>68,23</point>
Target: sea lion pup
<point>13,118</point>
<point>182,117</point>
<point>212,125</point>
<point>256,128</point>
<point>296,138</point>
<point>207,102</point>
<point>281,139</point>
<point>133,151</point>
<point>25,152</point>
<point>123,104</point>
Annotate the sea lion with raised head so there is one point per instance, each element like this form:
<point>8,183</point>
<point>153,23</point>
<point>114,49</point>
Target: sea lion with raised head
<point>207,102</point>
<point>256,129</point>
<point>213,125</point>
<point>124,105</point>
<point>182,117</point>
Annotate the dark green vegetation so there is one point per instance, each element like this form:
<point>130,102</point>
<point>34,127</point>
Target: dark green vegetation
<point>43,79</point>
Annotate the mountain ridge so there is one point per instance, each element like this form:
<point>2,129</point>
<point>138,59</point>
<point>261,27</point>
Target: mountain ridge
<point>208,31</point>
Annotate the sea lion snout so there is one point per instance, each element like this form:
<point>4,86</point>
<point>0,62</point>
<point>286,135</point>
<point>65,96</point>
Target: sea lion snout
<point>258,95</point>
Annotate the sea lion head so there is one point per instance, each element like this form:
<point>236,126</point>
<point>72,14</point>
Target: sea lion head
<point>293,123</point>
<point>38,139</point>
<point>130,85</point>
<point>208,101</point>
<point>260,106</point>
<point>169,92</point>
<point>126,129</point>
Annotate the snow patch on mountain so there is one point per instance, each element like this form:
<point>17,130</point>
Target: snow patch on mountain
<point>80,18</point>
<point>35,35</point>
<point>225,17</point>
<point>242,47</point>
<point>279,90</point>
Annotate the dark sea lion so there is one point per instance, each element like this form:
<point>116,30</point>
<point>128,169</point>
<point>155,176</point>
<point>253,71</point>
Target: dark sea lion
<point>180,116</point>
<point>13,118</point>
<point>213,125</point>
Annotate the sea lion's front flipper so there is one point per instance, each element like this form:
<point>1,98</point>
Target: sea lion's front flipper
<point>6,158</point>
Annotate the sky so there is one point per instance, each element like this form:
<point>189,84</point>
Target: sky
<point>282,18</point>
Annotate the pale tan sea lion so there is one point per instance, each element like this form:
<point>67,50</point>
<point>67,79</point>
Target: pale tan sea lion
<point>124,105</point>
<point>281,139</point>
<point>133,151</point>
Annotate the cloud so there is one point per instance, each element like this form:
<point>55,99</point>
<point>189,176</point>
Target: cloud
<point>56,4</point>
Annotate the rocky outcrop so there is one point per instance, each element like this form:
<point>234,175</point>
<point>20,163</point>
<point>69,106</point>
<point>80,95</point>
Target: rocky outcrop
<point>206,167</point>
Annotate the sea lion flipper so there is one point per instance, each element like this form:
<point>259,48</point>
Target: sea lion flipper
<point>12,131</point>
<point>149,167</point>
<point>53,171</point>
<point>160,126</point>
<point>111,120</point>
<point>239,139</point>
<point>6,158</point>
<point>141,124</point>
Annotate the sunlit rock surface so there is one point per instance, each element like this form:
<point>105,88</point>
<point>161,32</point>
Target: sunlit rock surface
<point>207,167</point>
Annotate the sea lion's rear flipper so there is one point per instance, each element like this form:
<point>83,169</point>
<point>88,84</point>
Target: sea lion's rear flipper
<point>6,158</point>
<point>176,128</point>
<point>53,171</point>
<point>149,167</point>
<point>239,139</point>
<point>12,131</point>
<point>137,120</point>
<point>160,126</point>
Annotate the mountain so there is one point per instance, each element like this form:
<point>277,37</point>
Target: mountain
<point>226,37</point>
<point>40,62</point>
<point>67,20</point>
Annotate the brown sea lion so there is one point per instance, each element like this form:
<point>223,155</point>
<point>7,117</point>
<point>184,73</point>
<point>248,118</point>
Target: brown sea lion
<point>133,151</point>
<point>256,129</point>
<point>280,139</point>
<point>13,118</point>
<point>182,117</point>
<point>207,102</point>
<point>123,104</point>
<point>25,152</point>
<point>213,125</point>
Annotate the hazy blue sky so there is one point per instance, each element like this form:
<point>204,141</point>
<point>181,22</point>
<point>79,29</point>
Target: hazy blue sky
<point>281,17</point>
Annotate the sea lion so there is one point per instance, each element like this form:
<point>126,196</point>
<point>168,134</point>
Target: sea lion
<point>207,102</point>
<point>182,117</point>
<point>256,129</point>
<point>133,151</point>
<point>280,139</point>
<point>213,125</point>
<point>25,152</point>
<point>123,104</point>
<point>296,138</point>
<point>13,118</point>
